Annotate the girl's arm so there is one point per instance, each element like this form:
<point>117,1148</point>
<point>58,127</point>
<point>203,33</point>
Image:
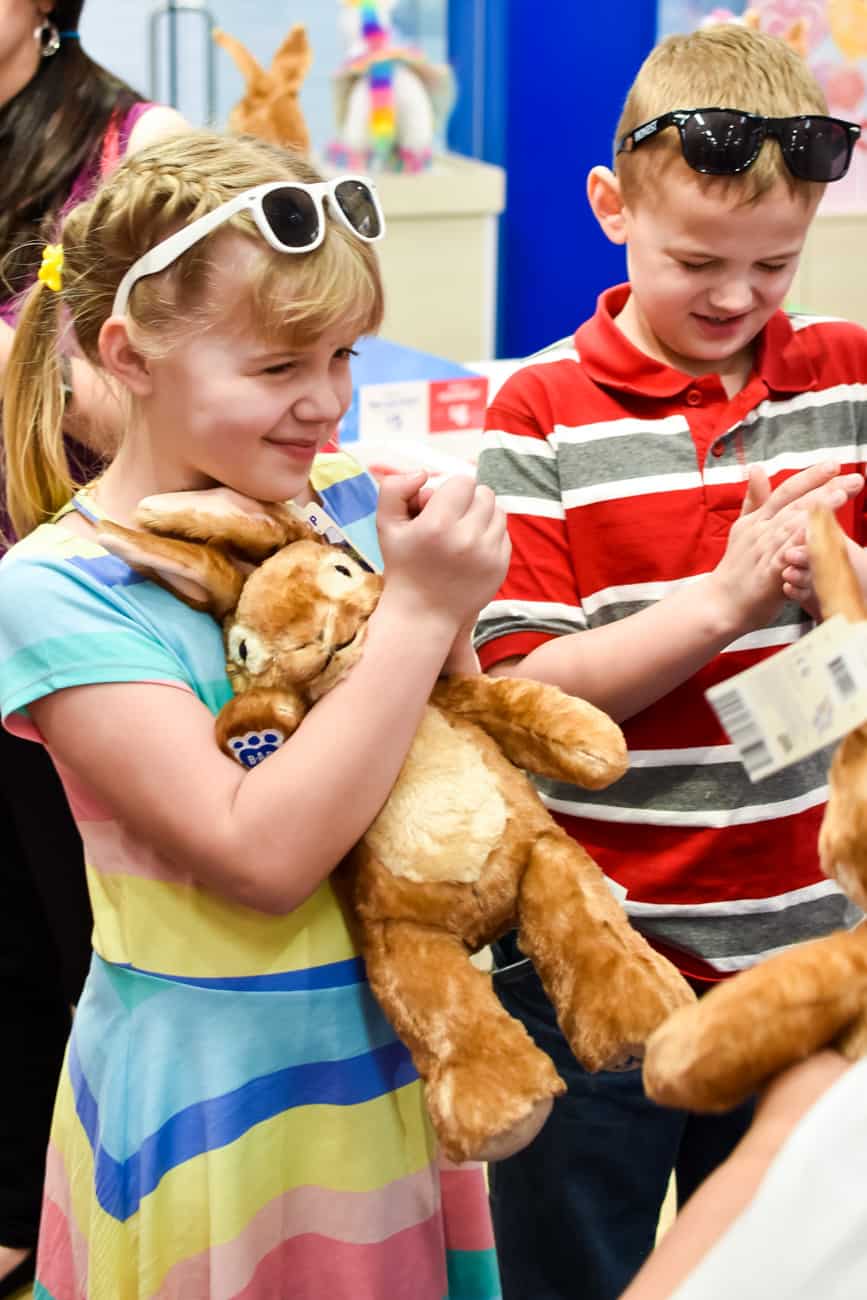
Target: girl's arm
<point>267,838</point>
<point>461,657</point>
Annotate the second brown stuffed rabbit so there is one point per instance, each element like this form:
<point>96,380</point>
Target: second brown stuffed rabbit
<point>713,1055</point>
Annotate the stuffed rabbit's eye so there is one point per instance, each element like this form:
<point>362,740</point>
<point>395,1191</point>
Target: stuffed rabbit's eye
<point>247,649</point>
<point>338,578</point>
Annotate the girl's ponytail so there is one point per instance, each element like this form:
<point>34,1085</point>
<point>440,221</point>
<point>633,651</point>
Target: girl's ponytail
<point>38,481</point>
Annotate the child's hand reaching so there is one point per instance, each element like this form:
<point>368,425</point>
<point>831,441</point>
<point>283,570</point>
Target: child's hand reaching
<point>447,548</point>
<point>765,550</point>
<point>796,576</point>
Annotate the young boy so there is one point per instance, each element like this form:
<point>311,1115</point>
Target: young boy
<point>657,471</point>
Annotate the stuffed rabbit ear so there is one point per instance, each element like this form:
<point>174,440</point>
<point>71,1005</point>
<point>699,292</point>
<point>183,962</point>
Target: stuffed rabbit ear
<point>247,64</point>
<point>834,578</point>
<point>200,575</point>
<point>225,518</point>
<point>294,58</point>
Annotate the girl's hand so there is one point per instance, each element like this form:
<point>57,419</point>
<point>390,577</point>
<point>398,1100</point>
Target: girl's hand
<point>447,551</point>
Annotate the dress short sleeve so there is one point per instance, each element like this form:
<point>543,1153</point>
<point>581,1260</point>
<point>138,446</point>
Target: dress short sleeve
<point>73,615</point>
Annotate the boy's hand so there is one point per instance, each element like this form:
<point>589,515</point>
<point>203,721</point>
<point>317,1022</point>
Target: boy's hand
<point>749,579</point>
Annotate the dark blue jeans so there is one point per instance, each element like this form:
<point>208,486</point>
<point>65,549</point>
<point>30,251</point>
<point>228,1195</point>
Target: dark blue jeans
<point>575,1213</point>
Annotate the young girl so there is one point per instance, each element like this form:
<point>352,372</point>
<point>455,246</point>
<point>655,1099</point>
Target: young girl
<point>235,1118</point>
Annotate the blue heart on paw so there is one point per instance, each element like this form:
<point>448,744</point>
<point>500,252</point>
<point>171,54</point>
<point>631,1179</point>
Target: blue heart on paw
<point>254,747</point>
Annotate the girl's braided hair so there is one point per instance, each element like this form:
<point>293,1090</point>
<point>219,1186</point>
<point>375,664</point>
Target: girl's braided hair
<point>294,299</point>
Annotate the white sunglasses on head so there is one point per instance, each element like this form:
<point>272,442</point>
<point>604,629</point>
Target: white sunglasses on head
<point>290,216</point>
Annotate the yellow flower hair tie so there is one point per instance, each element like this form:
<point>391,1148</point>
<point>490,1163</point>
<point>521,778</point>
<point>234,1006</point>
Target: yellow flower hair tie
<point>52,266</point>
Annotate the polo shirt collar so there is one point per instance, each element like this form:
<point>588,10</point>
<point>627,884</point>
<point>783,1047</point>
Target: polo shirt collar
<point>611,360</point>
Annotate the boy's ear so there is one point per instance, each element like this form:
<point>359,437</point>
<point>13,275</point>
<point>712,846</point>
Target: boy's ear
<point>121,359</point>
<point>606,200</point>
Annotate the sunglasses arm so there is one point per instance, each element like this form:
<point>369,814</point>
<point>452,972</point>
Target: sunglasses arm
<point>168,250</point>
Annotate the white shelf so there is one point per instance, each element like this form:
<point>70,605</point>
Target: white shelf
<point>832,277</point>
<point>439,257</point>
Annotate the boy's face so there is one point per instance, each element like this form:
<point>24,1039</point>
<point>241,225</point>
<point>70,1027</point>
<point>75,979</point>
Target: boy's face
<point>707,273</point>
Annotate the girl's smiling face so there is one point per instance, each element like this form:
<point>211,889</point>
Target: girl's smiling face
<point>228,406</point>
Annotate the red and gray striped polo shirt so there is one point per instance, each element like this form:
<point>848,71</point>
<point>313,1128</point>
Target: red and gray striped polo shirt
<point>621,478</point>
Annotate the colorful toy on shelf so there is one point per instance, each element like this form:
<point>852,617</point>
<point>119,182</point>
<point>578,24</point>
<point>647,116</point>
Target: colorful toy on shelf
<point>462,850</point>
<point>715,1054</point>
<point>848,22</point>
<point>270,108</point>
<point>389,98</point>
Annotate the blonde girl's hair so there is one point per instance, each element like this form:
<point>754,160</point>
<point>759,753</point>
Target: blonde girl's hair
<point>726,66</point>
<point>292,299</point>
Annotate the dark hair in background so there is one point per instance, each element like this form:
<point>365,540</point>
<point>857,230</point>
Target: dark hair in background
<point>48,132</point>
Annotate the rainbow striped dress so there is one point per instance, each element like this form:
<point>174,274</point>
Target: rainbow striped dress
<point>236,1120</point>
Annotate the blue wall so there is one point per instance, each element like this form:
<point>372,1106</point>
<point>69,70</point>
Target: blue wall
<point>541,86</point>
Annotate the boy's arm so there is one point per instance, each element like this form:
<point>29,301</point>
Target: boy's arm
<point>630,664</point>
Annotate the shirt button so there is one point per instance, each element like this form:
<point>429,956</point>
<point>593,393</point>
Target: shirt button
<point>717,449</point>
<point>693,397</point>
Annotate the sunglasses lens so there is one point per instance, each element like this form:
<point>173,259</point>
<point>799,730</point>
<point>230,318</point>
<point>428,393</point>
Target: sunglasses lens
<point>817,148</point>
<point>292,216</point>
<point>359,207</point>
<point>720,142</point>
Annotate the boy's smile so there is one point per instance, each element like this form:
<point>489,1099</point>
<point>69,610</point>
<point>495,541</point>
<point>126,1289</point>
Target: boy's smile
<point>708,272</point>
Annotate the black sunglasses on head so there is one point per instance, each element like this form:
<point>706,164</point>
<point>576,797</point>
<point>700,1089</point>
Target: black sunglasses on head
<point>725,141</point>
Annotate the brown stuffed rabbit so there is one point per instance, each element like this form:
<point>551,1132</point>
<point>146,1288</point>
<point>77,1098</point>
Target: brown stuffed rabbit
<point>270,107</point>
<point>463,849</point>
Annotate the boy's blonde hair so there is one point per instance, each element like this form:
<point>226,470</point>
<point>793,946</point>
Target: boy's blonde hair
<point>293,299</point>
<point>726,66</point>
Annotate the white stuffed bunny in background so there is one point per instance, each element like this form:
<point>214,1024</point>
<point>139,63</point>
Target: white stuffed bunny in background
<point>389,99</point>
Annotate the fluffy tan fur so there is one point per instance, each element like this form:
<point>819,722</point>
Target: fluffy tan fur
<point>713,1055</point>
<point>462,851</point>
<point>269,108</point>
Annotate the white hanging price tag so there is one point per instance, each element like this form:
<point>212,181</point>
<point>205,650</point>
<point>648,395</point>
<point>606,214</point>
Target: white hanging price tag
<point>803,698</point>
